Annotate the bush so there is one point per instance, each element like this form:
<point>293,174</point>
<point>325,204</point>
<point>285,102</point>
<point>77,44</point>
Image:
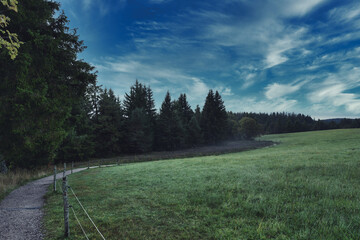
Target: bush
<point>249,128</point>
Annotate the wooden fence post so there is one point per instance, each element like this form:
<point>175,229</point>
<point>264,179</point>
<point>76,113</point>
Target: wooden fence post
<point>64,173</point>
<point>88,164</point>
<point>54,178</point>
<point>66,208</point>
<point>100,163</point>
<point>72,166</point>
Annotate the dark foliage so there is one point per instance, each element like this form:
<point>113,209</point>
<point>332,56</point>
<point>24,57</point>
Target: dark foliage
<point>213,118</point>
<point>140,115</point>
<point>289,122</point>
<point>39,88</point>
<point>108,125</point>
<point>171,132</point>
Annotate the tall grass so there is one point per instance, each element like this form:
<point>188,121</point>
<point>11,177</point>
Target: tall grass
<point>19,177</point>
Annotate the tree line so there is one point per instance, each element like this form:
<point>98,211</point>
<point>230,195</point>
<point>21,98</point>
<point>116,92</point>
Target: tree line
<point>273,123</point>
<point>102,125</point>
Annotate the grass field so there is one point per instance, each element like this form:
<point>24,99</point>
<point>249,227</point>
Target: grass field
<point>307,187</point>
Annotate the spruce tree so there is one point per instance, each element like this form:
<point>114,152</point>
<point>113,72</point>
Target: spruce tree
<point>213,118</point>
<point>140,98</point>
<point>220,117</point>
<point>109,125</point>
<point>207,118</point>
<point>171,133</point>
<point>184,109</point>
<point>184,113</point>
<point>197,114</point>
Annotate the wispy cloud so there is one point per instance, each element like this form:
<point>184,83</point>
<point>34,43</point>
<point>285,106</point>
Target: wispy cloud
<point>87,4</point>
<point>299,8</point>
<point>103,7</point>
<point>276,90</point>
<point>197,88</point>
<point>254,104</point>
<point>336,95</point>
<point>345,13</point>
<point>336,58</point>
<point>335,90</point>
<point>265,37</point>
<point>150,26</point>
<point>249,80</point>
<point>276,50</point>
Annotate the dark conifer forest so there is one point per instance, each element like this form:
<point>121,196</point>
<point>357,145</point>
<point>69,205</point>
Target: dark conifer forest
<point>53,110</point>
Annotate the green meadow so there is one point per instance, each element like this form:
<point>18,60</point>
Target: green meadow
<point>305,187</point>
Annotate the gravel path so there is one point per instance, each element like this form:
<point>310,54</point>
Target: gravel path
<point>21,212</point>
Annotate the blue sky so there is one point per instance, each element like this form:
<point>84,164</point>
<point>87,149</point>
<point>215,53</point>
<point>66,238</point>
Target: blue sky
<point>299,56</point>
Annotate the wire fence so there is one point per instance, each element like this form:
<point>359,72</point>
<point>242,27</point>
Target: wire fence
<point>97,229</point>
<point>58,185</point>
<point>82,229</point>
<point>72,208</point>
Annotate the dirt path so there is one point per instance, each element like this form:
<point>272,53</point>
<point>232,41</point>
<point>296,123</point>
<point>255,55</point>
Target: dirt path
<point>21,212</point>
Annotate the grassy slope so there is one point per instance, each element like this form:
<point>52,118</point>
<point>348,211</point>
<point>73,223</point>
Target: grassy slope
<point>305,188</point>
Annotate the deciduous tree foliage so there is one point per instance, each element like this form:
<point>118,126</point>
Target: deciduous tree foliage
<point>249,128</point>
<point>8,40</point>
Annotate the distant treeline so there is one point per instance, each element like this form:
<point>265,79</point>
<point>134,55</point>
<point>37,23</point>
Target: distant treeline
<point>290,122</point>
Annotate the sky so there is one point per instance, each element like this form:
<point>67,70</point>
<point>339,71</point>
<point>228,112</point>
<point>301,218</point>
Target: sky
<point>300,56</point>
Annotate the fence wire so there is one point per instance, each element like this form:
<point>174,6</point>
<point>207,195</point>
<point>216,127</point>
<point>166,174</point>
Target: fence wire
<point>79,223</point>
<point>86,212</point>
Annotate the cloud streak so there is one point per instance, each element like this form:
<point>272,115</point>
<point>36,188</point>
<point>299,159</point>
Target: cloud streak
<point>335,90</point>
<point>276,90</point>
